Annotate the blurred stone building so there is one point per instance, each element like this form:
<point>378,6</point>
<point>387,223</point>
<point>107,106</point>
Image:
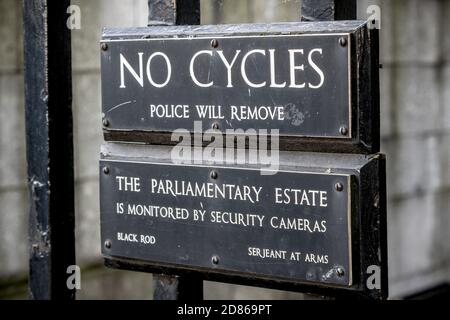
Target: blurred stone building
<point>415,128</point>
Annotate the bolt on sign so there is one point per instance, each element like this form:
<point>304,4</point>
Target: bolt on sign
<point>306,80</point>
<point>315,224</point>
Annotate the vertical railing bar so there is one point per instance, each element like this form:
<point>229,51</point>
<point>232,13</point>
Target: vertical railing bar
<point>48,111</point>
<point>173,12</point>
<point>328,10</point>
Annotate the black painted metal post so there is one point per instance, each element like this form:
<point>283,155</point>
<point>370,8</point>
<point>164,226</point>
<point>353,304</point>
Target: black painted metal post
<point>48,109</point>
<point>186,288</point>
<point>328,10</point>
<point>175,12</point>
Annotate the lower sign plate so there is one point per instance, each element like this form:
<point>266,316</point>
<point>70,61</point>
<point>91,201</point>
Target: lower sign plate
<point>292,226</point>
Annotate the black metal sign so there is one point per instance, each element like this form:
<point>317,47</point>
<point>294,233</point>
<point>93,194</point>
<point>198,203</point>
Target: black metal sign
<point>300,79</point>
<point>292,225</point>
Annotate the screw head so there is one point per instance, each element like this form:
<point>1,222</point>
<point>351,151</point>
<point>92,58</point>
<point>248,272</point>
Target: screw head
<point>343,41</point>
<point>214,175</point>
<point>105,122</point>
<point>214,43</point>
<point>215,260</point>
<point>108,244</point>
<point>339,187</point>
<point>343,131</point>
<point>340,272</point>
<point>105,170</point>
<point>215,126</point>
<point>104,46</point>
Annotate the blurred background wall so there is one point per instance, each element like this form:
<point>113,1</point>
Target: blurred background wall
<point>415,128</point>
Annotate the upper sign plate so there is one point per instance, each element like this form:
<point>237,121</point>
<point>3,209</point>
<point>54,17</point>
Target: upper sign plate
<point>303,84</point>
